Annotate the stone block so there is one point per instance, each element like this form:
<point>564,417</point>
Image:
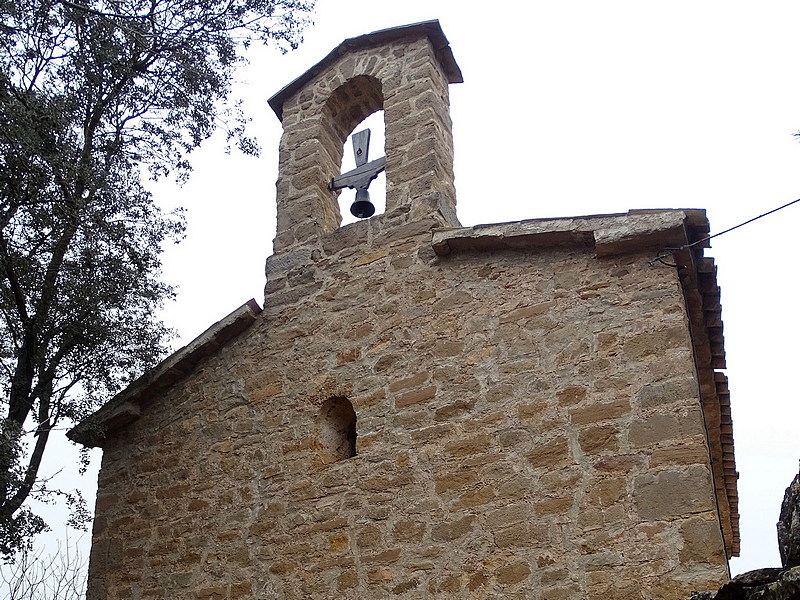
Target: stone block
<point>660,427</point>
<point>675,389</point>
<point>648,343</point>
<point>688,454</point>
<point>605,492</point>
<point>473,445</point>
<point>524,535</point>
<point>549,454</point>
<point>602,438</point>
<point>702,540</point>
<point>411,398</point>
<point>526,312</point>
<point>550,506</point>
<point>454,481</point>
<point>671,494</point>
<point>509,515</point>
<point>571,395</point>
<point>513,573</point>
<point>600,412</point>
<point>452,530</point>
<point>562,592</point>
<point>409,531</point>
<point>408,382</point>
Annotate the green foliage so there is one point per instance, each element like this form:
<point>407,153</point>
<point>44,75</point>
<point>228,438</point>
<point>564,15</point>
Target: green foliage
<point>91,92</point>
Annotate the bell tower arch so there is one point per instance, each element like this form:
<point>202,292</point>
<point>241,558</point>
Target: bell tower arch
<point>406,72</point>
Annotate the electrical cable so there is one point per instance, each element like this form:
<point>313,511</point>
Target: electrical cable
<point>665,251</point>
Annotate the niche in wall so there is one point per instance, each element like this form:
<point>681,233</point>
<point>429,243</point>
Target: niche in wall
<point>338,429</point>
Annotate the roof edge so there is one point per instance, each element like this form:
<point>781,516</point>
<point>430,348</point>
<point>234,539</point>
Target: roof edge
<point>432,29</point>
<point>609,234</point>
<point>698,278</point>
<point>126,406</point>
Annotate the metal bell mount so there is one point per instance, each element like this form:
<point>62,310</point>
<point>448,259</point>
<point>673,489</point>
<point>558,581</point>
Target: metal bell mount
<point>360,177</point>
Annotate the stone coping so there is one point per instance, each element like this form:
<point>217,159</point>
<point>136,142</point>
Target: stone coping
<point>609,234</point>
<point>431,29</point>
<point>126,406</point>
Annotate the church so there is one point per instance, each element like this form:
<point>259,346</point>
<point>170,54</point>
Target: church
<point>423,410</point>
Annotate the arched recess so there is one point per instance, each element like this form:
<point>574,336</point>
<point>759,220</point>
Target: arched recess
<point>337,432</point>
<point>346,107</point>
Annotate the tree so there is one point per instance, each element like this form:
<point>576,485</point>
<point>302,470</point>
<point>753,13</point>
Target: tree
<point>38,576</point>
<point>94,94</point>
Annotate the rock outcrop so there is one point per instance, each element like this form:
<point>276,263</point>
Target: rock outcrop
<point>764,584</point>
<point>789,526</point>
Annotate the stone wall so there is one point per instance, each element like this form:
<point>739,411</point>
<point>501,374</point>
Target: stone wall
<point>422,411</point>
<point>528,426</point>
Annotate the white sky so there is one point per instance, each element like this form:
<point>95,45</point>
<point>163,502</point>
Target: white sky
<point>570,108</point>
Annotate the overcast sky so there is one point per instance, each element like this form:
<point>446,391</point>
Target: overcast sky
<point>572,108</point>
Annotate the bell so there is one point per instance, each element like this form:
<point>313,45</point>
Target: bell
<point>362,208</point>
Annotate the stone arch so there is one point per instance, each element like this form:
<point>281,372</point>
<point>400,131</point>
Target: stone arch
<point>352,102</point>
<point>337,429</point>
<point>346,107</point>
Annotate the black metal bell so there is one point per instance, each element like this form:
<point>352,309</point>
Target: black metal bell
<point>362,208</point>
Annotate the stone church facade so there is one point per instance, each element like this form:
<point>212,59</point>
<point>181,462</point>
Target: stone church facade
<point>521,410</point>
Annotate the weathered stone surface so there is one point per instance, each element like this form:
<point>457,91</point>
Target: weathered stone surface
<point>675,389</point>
<point>671,493</point>
<point>789,525</point>
<point>655,229</point>
<point>700,537</point>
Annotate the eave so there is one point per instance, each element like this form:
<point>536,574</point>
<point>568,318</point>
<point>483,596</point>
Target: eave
<point>127,406</point>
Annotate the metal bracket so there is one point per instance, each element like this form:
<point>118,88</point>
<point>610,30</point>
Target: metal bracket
<point>360,177</point>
